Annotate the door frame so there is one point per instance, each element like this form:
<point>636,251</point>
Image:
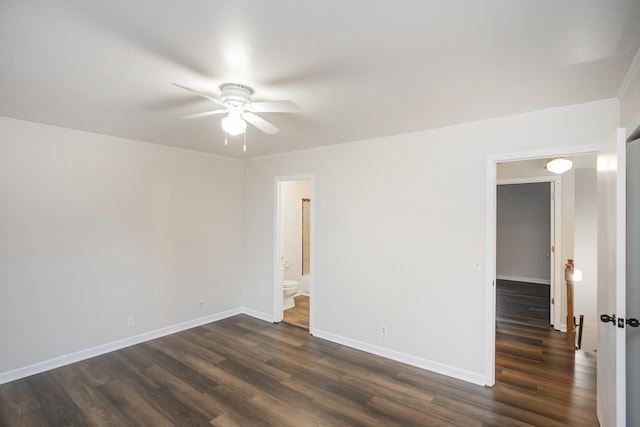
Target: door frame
<point>612,181</point>
<point>555,228</point>
<point>490,250</point>
<point>278,275</point>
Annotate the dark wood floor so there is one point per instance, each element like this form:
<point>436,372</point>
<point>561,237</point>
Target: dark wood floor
<point>246,372</point>
<point>298,315</point>
<point>535,362</point>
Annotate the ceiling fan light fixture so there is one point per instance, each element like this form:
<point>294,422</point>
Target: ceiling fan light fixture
<point>233,124</point>
<point>559,165</point>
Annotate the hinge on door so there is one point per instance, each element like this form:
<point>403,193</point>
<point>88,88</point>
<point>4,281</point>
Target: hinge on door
<point>553,249</point>
<point>553,301</point>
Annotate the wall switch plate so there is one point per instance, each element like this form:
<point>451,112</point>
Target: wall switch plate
<point>477,265</point>
<point>131,321</point>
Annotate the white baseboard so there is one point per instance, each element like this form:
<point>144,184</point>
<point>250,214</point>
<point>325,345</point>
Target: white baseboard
<point>88,353</point>
<point>267,317</point>
<point>440,368</point>
<point>524,279</point>
<point>78,356</point>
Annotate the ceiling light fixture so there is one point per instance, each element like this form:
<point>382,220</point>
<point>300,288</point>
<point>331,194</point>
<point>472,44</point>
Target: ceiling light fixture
<point>234,124</point>
<point>559,165</point>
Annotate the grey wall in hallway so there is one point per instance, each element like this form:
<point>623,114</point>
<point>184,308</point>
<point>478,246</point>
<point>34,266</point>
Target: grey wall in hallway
<point>523,232</point>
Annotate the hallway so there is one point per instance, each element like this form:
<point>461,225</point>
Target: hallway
<point>535,366</point>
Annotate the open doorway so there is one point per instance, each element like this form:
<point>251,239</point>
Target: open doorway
<point>570,231</point>
<point>525,251</point>
<point>529,233</point>
<point>294,246</point>
<point>569,200</point>
<point>544,219</point>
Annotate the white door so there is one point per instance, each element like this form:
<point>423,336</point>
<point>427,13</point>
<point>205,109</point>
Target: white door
<point>611,393</point>
<point>633,281</point>
<point>553,259</point>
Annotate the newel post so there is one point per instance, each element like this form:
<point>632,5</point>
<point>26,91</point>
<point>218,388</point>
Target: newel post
<point>571,324</point>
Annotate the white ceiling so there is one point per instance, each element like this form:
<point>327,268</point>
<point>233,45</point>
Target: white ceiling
<point>358,69</point>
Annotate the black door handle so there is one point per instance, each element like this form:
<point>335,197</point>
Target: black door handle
<point>606,318</point>
<point>634,323</point>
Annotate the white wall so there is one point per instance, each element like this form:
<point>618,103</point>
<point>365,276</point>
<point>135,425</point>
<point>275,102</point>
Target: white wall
<point>523,232</point>
<point>399,222</point>
<point>95,228</point>
<point>586,254</point>
<point>291,195</point>
<point>630,98</point>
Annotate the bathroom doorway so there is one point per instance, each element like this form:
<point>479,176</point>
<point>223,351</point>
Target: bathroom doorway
<point>294,244</point>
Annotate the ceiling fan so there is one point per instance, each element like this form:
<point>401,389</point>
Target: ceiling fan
<point>239,109</point>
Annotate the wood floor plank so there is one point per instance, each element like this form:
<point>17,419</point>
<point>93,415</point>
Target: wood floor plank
<point>57,407</point>
<point>133,404</point>
<point>17,404</point>
<point>355,410</point>
<point>98,409</point>
<point>409,417</point>
<point>294,413</point>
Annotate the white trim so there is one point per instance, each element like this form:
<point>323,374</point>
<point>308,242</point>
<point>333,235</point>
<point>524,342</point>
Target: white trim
<point>544,153</point>
<point>98,350</point>
<point>127,140</point>
<point>492,120</point>
<point>490,280</point>
<point>524,279</point>
<point>527,180</point>
<point>278,275</point>
<point>267,317</point>
<point>81,355</point>
<point>491,184</point>
<point>557,286</point>
<point>621,274</point>
<point>277,239</point>
<point>628,78</point>
<point>429,365</point>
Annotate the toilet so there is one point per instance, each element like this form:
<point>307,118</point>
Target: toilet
<point>289,289</point>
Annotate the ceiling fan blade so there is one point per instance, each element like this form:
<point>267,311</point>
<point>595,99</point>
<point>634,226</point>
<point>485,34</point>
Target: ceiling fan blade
<point>275,107</point>
<point>204,95</point>
<point>260,123</point>
<point>204,114</point>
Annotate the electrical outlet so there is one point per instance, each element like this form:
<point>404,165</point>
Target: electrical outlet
<point>131,321</point>
<point>199,304</point>
<point>384,330</point>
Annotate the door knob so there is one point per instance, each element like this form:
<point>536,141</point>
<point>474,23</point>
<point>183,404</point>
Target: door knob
<point>634,323</point>
<point>606,318</point>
